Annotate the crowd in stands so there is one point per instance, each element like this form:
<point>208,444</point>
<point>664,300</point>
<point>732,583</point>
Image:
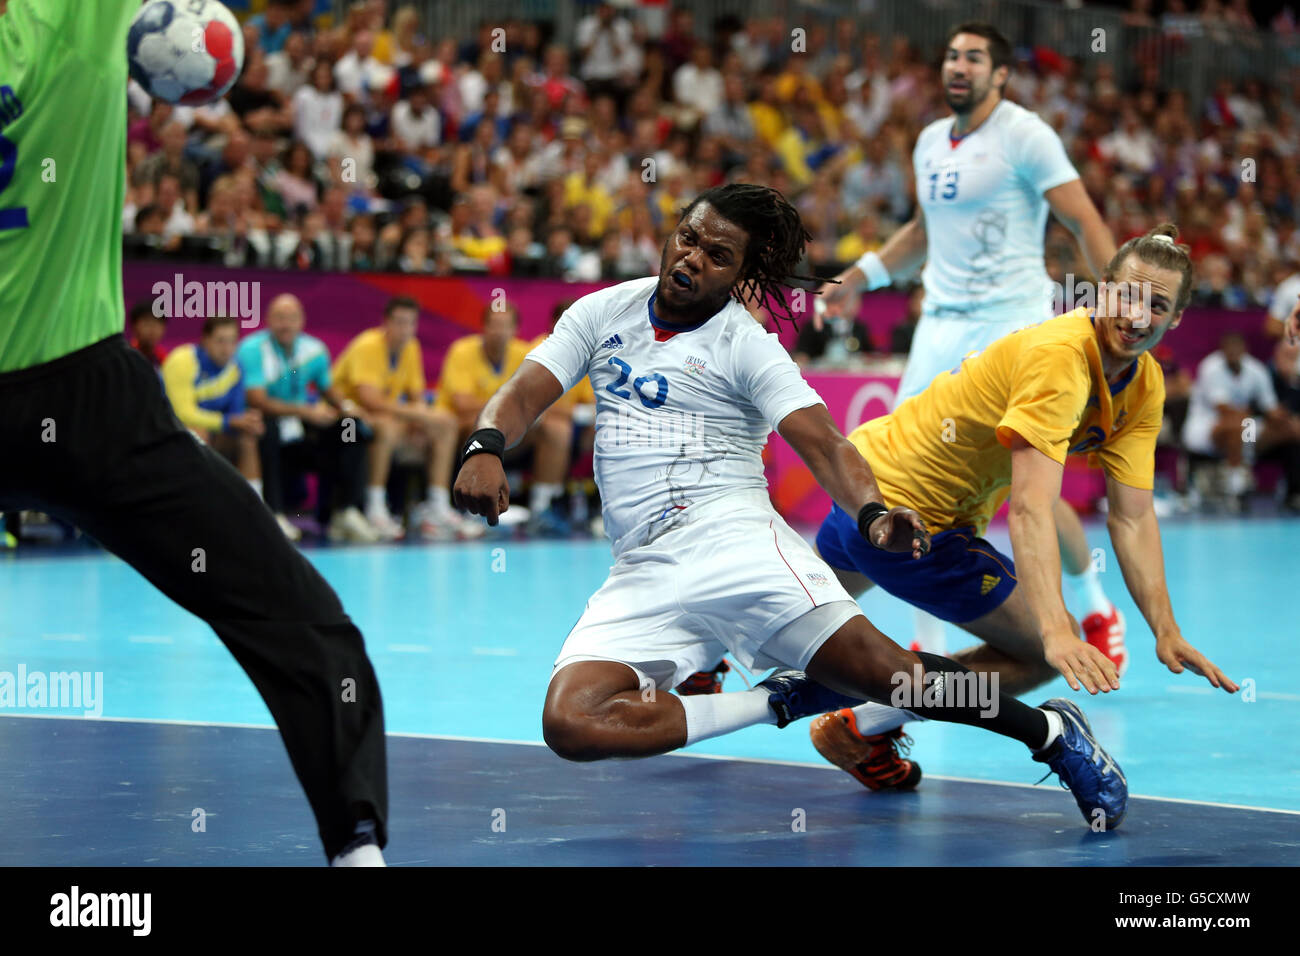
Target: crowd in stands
<point>366,145</point>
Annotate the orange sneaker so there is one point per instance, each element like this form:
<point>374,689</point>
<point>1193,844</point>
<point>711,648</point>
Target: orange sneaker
<point>704,682</point>
<point>874,761</point>
<point>1106,633</point>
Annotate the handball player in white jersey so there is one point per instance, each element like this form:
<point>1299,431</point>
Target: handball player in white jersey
<point>688,387</point>
<point>985,179</point>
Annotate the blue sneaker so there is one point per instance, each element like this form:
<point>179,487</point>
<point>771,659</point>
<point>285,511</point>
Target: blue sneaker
<point>794,694</point>
<point>551,523</point>
<point>1085,769</point>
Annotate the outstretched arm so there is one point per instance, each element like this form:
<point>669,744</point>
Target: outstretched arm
<point>1035,486</point>
<point>901,256</point>
<point>1135,533</point>
<point>481,487</point>
<point>844,473</point>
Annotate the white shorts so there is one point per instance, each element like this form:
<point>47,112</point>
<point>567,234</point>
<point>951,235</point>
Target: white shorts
<point>942,340</point>
<point>733,579</point>
<point>1198,433</point>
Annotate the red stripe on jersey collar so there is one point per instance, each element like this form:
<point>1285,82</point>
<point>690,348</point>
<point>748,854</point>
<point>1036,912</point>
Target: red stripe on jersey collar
<point>665,332</point>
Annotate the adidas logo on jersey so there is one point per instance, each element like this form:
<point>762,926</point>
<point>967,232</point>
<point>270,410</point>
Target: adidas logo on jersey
<point>613,342</point>
<point>988,584</point>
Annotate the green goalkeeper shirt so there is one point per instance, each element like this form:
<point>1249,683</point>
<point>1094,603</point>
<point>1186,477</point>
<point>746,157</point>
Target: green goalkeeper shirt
<point>63,74</point>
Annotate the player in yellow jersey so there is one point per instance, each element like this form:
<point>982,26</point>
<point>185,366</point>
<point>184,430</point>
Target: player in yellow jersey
<point>1001,424</point>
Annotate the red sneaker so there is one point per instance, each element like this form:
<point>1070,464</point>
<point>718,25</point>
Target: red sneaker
<point>704,682</point>
<point>1106,633</point>
<point>874,761</point>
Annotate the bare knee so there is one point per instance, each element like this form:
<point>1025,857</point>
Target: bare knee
<point>569,733</point>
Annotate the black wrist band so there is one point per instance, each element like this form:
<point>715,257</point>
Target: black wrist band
<point>869,513</point>
<point>484,441</point>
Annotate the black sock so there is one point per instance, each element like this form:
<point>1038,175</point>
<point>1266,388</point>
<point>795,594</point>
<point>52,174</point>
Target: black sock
<point>958,701</point>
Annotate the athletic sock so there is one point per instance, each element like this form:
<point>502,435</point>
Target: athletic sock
<point>1055,727</point>
<point>1089,592</point>
<point>712,715</point>
<point>376,500</point>
<point>873,718</point>
<point>541,495</point>
<point>439,500</point>
<point>946,696</point>
<point>929,633</point>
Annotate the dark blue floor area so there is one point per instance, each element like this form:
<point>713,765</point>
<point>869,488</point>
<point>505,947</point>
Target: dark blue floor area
<point>82,792</point>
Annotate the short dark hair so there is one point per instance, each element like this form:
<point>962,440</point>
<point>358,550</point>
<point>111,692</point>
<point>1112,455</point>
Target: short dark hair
<point>144,310</point>
<point>999,48</point>
<point>777,239</point>
<point>400,302</point>
<point>214,322</point>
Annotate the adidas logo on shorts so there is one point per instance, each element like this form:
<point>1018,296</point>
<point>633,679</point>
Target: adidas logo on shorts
<point>988,584</point>
<point>613,342</point>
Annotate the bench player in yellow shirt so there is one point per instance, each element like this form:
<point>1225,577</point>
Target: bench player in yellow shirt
<point>475,367</point>
<point>1001,424</point>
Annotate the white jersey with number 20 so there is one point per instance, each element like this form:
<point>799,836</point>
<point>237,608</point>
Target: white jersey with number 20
<point>681,416</point>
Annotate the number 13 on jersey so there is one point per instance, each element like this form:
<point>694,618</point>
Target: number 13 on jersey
<point>949,185</point>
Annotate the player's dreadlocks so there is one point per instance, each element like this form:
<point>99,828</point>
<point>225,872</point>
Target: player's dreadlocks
<point>777,239</point>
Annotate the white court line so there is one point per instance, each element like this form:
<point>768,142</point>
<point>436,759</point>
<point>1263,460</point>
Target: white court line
<point>150,639</point>
<point>538,743</point>
<point>1267,694</point>
<point>63,637</point>
<point>409,648</point>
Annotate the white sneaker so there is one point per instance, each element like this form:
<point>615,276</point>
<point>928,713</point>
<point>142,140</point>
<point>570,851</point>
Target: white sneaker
<point>384,525</point>
<point>435,526</point>
<point>291,531</point>
<point>350,525</point>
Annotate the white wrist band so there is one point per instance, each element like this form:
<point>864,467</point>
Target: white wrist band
<point>874,267</point>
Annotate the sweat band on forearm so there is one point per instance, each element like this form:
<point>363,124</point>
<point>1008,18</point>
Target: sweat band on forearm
<point>874,268</point>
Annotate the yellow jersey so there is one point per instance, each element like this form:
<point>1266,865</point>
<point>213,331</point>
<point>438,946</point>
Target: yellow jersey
<point>467,371</point>
<point>945,452</point>
<point>366,361</point>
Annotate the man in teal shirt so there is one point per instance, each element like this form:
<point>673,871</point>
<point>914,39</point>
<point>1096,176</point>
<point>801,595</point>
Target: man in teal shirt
<point>282,366</point>
<point>90,437</point>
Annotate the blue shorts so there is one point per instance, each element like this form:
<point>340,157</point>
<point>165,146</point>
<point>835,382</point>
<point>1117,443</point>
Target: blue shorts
<point>962,578</point>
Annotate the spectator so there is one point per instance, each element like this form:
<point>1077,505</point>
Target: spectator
<point>399,48</point>
<point>206,391</point>
<point>474,368</point>
<point>273,27</point>
<point>352,152</point>
<point>171,159</point>
<point>382,370</point>
<point>281,365</point>
<point>289,69</point>
<point>318,110</point>
<point>604,42</point>
<point>145,331</point>
<point>1231,387</point>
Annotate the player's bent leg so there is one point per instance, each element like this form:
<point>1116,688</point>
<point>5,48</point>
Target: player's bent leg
<point>600,709</point>
<point>1012,648</point>
<point>860,661</point>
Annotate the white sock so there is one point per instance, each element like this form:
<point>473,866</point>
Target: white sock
<point>1089,592</point>
<point>1054,727</point>
<point>712,715</point>
<point>873,718</point>
<point>1238,479</point>
<point>376,500</point>
<point>257,485</point>
<point>541,496</point>
<point>439,500</point>
<point>368,854</point>
<point>930,633</point>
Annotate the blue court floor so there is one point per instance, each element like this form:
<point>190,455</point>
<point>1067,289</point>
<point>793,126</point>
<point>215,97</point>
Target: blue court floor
<point>463,637</point>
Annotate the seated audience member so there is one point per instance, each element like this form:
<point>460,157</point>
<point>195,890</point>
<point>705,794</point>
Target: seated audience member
<point>206,391</point>
<point>281,365</point>
<point>382,370</point>
<point>474,368</point>
<point>813,344</point>
<point>1286,383</point>
<point>1231,387</point>
<point>145,331</point>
